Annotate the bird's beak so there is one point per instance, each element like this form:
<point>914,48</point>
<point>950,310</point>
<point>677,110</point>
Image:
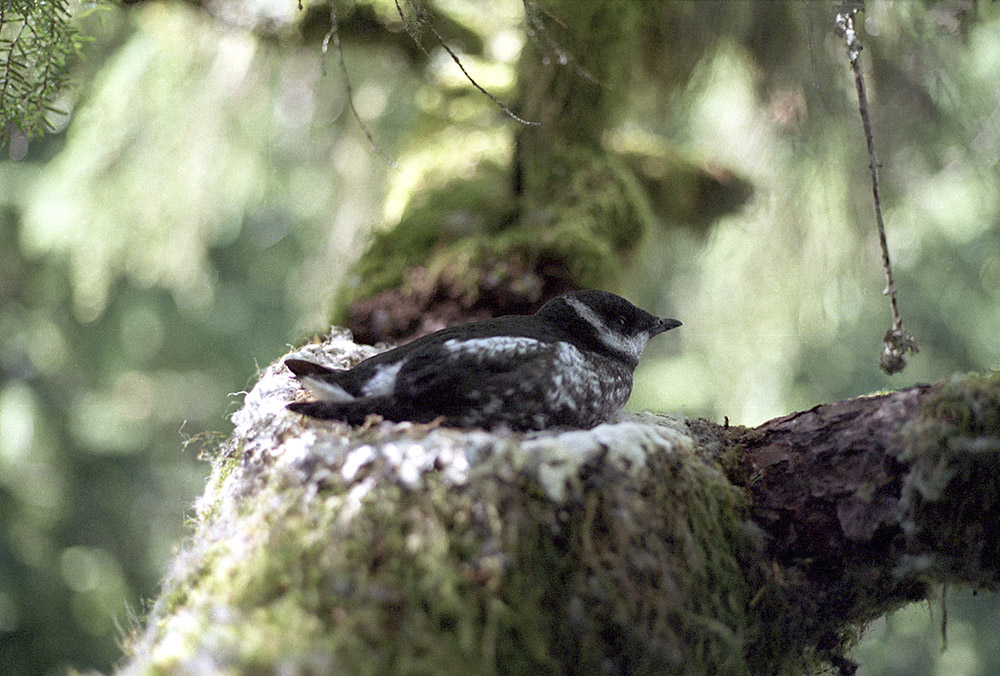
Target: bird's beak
<point>664,325</point>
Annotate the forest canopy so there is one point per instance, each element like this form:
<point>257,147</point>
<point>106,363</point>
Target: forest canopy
<point>205,198</point>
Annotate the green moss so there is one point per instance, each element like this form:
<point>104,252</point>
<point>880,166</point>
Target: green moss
<point>592,192</point>
<point>439,215</point>
<point>227,464</point>
<point>955,441</point>
<point>641,573</point>
<point>682,190</point>
<point>957,427</point>
<point>465,235</point>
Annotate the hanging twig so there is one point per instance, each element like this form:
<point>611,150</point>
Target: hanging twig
<point>896,340</point>
<point>415,36</point>
<point>944,616</point>
<point>537,26</point>
<point>333,33</point>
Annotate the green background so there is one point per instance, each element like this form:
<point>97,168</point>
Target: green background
<point>196,213</point>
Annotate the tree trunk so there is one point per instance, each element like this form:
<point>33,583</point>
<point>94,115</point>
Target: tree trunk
<point>648,545</point>
<point>559,212</point>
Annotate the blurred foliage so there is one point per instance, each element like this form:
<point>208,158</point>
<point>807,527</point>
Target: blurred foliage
<point>209,194</point>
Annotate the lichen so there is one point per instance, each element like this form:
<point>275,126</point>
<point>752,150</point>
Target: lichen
<point>415,549</point>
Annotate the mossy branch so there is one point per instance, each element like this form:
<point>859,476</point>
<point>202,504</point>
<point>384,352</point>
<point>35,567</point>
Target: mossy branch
<point>570,214</point>
<point>653,545</point>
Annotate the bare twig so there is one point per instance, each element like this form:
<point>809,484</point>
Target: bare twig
<point>537,27</point>
<point>415,36</point>
<point>944,616</point>
<point>333,33</point>
<point>896,340</point>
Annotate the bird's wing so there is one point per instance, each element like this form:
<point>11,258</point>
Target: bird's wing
<point>452,374</point>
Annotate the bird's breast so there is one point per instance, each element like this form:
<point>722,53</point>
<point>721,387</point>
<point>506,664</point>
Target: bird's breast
<point>586,385</point>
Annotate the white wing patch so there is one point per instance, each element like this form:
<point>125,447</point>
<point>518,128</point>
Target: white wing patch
<point>384,380</point>
<point>506,347</point>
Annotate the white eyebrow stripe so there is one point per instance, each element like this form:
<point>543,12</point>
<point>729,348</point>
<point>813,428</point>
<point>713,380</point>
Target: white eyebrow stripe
<point>631,346</point>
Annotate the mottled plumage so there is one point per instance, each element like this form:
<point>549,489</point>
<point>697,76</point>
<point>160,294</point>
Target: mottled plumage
<point>570,364</point>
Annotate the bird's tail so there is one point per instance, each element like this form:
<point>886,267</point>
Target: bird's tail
<point>320,380</point>
<point>351,412</point>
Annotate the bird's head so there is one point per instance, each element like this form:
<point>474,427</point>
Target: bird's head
<point>618,326</point>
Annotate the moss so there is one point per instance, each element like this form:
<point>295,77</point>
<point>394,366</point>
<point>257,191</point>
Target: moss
<point>636,571</point>
<point>588,223</point>
<point>226,464</point>
<point>955,442</point>
<point>441,214</point>
<point>590,191</point>
<point>592,217</point>
<point>681,190</point>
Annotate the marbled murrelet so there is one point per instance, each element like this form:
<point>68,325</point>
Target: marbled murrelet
<point>569,364</point>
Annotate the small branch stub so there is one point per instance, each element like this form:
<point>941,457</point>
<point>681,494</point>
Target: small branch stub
<point>897,341</point>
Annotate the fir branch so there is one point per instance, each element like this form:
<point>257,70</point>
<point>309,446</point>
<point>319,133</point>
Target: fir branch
<point>37,41</point>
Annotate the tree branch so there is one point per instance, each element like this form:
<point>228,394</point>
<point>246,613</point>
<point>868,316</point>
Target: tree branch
<point>651,545</point>
<point>422,19</point>
<point>335,34</point>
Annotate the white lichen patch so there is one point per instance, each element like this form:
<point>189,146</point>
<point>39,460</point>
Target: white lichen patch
<point>352,502</point>
<point>356,459</point>
<point>626,445</point>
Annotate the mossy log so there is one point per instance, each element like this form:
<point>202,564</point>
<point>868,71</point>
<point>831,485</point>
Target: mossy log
<point>648,545</point>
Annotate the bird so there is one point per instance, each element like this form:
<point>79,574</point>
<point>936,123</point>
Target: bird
<point>568,365</point>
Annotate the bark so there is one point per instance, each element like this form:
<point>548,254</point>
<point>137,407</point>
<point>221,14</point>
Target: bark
<point>648,545</point>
